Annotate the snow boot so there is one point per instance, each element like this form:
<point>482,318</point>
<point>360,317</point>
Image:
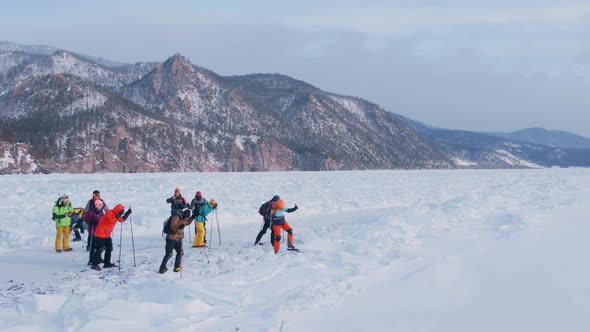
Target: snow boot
<point>95,267</point>
<point>162,271</point>
<point>109,265</point>
<point>58,250</point>
<point>69,249</point>
<point>177,269</point>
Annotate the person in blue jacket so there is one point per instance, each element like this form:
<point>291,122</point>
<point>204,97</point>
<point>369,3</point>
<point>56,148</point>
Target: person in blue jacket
<point>200,217</point>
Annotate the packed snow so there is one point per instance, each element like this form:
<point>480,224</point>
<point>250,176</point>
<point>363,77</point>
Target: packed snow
<point>469,250</point>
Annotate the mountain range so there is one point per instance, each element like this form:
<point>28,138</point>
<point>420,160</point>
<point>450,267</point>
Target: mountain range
<point>65,112</point>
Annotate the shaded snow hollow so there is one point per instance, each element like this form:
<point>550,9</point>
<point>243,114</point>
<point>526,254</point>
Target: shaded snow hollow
<point>501,250</point>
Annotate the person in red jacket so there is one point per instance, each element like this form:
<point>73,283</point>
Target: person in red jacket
<point>102,235</point>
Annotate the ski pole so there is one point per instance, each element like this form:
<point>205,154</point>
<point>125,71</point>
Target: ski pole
<point>218,228</point>
<point>205,250</point>
<point>298,224</point>
<point>90,252</point>
<point>189,235</point>
<point>181,253</point>
<point>132,241</point>
<point>211,235</point>
<point>120,242</point>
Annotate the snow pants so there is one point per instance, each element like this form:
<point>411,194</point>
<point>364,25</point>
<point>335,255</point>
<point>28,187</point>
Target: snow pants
<point>171,245</point>
<point>263,231</point>
<point>63,234</point>
<point>199,234</point>
<point>277,231</point>
<point>99,245</point>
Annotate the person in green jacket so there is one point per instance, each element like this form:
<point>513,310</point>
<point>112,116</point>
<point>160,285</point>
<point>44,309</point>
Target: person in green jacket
<point>62,212</point>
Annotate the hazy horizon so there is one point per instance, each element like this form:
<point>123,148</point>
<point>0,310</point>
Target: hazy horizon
<point>496,67</point>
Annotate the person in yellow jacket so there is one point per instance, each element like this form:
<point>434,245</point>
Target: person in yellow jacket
<point>62,212</point>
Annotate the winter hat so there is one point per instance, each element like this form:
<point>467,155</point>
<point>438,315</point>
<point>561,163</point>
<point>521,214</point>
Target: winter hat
<point>275,198</point>
<point>96,192</point>
<point>198,194</point>
<point>212,201</point>
<point>176,190</point>
<point>62,198</point>
<point>279,204</point>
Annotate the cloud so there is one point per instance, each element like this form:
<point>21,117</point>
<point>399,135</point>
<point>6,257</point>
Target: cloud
<point>382,19</point>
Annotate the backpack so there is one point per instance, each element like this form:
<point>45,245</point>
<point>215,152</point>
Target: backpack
<point>167,229</point>
<point>265,208</point>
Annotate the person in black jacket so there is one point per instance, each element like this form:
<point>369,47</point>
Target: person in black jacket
<point>177,203</point>
<point>264,211</point>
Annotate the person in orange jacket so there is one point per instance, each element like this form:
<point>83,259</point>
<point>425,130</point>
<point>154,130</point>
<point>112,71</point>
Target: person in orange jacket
<point>277,217</point>
<point>102,235</point>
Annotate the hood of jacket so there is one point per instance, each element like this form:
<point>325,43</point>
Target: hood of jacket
<point>118,208</point>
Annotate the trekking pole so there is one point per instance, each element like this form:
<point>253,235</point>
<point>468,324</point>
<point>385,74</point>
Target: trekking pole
<point>211,235</point>
<point>205,250</point>
<point>91,238</point>
<point>132,241</point>
<point>218,228</point>
<point>298,224</point>
<point>90,252</point>
<point>120,242</point>
<point>189,235</point>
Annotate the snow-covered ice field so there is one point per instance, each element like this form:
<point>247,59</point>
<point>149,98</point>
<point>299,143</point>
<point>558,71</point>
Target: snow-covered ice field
<point>487,250</point>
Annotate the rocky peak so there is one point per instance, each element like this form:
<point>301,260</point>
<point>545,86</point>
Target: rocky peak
<point>175,68</point>
<point>178,64</point>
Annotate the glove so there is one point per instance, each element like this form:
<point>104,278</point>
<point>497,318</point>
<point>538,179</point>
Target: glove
<point>214,206</point>
<point>126,214</point>
<point>295,207</point>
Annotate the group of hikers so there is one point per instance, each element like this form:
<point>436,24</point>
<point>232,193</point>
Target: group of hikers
<point>100,221</point>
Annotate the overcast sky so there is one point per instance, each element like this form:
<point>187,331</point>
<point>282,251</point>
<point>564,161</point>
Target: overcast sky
<point>463,64</point>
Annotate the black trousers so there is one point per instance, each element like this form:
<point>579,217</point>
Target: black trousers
<point>263,231</point>
<point>99,245</point>
<point>170,246</point>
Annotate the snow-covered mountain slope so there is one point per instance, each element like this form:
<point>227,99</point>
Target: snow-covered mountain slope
<point>380,250</point>
<point>177,116</point>
<point>553,138</point>
<point>480,150</point>
<point>249,123</point>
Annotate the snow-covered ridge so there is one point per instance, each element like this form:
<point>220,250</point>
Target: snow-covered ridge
<point>32,49</point>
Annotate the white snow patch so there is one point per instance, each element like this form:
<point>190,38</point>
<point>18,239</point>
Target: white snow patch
<point>511,159</point>
<point>470,250</point>
<point>463,162</point>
